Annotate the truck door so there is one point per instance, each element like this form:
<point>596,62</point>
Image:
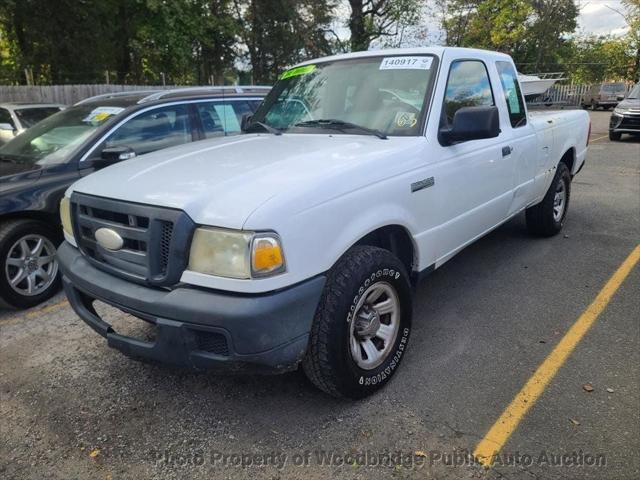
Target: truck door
<point>520,134</point>
<point>474,178</point>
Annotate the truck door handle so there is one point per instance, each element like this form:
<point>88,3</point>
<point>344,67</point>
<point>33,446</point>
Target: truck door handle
<point>506,151</point>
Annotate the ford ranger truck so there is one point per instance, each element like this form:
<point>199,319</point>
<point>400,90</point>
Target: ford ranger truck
<point>297,242</point>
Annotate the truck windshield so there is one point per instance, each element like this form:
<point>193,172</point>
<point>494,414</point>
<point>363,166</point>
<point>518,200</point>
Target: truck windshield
<point>55,138</point>
<point>387,95</point>
<point>635,93</point>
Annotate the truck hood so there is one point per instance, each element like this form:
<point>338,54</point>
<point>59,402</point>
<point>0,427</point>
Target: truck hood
<point>222,181</point>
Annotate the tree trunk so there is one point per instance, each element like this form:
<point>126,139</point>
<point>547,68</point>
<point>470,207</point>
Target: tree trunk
<point>359,35</point>
<point>123,59</point>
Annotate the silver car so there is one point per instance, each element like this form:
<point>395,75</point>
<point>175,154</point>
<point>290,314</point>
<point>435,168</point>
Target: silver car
<point>15,118</point>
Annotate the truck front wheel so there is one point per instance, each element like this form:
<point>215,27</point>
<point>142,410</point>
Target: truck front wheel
<point>361,327</point>
<point>547,217</point>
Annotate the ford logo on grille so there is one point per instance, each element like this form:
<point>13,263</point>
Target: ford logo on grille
<point>109,239</point>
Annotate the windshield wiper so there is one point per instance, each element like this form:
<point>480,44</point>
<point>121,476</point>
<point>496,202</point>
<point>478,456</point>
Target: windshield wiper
<point>265,127</point>
<point>341,125</point>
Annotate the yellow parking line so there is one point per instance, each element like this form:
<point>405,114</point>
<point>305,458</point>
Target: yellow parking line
<point>35,313</point>
<point>47,309</point>
<point>502,429</point>
<point>599,138</point>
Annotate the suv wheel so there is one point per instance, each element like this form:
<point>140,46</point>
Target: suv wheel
<point>29,269</point>
<point>614,136</point>
<point>362,324</point>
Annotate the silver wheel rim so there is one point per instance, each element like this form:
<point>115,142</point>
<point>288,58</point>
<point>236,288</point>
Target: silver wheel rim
<point>559,201</point>
<point>374,326</point>
<point>31,266</point>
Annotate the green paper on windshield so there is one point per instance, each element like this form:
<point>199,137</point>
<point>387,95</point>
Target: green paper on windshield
<point>295,72</point>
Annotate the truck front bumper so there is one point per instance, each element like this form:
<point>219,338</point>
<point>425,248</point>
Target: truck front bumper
<point>198,328</point>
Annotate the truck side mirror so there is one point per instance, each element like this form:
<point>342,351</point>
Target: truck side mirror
<point>471,123</point>
<point>620,98</point>
<point>6,126</point>
<point>245,121</point>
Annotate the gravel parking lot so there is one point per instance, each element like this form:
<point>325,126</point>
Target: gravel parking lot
<point>73,408</point>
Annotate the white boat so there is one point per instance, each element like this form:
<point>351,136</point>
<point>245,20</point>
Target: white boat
<point>537,84</point>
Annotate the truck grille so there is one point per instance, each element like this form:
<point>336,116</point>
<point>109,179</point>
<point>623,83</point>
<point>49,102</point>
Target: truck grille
<point>155,240</point>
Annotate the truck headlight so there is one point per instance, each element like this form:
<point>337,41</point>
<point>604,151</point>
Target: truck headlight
<point>235,254</point>
<point>619,111</point>
<point>65,216</point>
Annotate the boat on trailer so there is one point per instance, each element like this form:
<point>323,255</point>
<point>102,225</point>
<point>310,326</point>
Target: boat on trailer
<point>537,84</point>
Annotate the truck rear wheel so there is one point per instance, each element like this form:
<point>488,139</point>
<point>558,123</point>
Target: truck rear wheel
<point>361,327</point>
<point>547,217</point>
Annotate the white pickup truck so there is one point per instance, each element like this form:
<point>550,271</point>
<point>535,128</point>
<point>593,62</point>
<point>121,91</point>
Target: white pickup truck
<point>298,241</point>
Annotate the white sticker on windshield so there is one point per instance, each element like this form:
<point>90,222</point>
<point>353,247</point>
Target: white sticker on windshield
<point>406,63</point>
<point>100,114</point>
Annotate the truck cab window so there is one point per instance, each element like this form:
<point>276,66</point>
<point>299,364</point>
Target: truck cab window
<point>468,85</point>
<point>511,88</point>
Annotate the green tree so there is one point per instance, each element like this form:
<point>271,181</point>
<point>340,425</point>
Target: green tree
<point>57,41</point>
<point>136,41</point>
<point>534,32</point>
<point>372,19</point>
<point>279,33</point>
<point>552,20</point>
<point>596,59</point>
<point>182,42</point>
<point>632,16</point>
<point>496,24</point>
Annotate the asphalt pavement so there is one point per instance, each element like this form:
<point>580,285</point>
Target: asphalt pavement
<point>70,407</point>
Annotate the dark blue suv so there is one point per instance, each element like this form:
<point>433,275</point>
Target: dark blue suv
<point>38,165</point>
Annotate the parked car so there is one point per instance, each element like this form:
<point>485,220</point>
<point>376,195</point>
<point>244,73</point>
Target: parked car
<point>603,95</point>
<point>626,116</point>
<point>299,241</point>
<point>37,166</point>
<point>15,118</point>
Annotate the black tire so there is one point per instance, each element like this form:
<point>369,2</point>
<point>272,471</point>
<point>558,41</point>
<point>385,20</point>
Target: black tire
<point>10,232</point>
<point>614,136</point>
<point>540,217</point>
<point>329,363</point>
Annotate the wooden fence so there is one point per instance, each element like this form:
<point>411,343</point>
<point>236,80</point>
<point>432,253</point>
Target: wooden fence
<point>558,95</point>
<point>64,94</point>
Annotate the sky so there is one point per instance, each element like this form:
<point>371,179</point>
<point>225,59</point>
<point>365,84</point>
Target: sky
<point>597,18</point>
